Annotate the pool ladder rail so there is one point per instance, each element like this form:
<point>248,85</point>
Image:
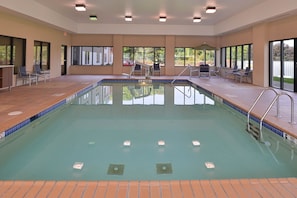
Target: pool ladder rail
<point>256,131</point>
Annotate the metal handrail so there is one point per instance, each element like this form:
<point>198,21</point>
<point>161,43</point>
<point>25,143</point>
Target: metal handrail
<point>188,67</point>
<point>292,106</point>
<point>254,104</point>
<point>275,99</point>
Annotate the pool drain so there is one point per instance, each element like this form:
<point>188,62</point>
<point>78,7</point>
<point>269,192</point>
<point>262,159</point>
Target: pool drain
<point>164,168</point>
<point>116,169</point>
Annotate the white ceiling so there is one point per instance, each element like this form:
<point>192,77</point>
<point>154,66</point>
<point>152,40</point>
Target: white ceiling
<point>230,15</point>
<point>178,12</point>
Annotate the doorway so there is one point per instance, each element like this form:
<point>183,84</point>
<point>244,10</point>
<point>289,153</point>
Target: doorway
<point>63,60</point>
<point>283,64</point>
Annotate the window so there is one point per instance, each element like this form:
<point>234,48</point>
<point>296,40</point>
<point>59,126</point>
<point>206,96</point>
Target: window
<point>240,55</point>
<point>146,55</point>
<point>42,54</point>
<point>92,55</point>
<point>179,57</point>
<point>189,56</point>
<point>194,57</point>
<point>12,52</point>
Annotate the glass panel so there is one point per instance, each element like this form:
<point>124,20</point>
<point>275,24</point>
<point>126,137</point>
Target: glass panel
<point>210,57</point>
<point>288,63</point>
<point>108,55</point>
<point>275,64</point>
<point>86,55</point>
<point>76,58</point>
<point>228,57</point>
<point>139,53</point>
<point>128,56</point>
<point>149,56</point>
<point>200,57</point>
<point>189,56</point>
<point>160,55</point>
<point>245,56</point>
<point>223,57</point>
<point>251,57</point>
<point>37,52</point>
<point>179,56</point>
<point>239,57</point>
<point>45,56</point>
<point>97,55</point>
<point>5,50</point>
<point>233,56</point>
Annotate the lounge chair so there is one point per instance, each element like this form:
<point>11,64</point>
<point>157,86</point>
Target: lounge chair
<point>25,76</point>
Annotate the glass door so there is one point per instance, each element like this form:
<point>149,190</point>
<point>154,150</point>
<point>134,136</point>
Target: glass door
<point>63,60</point>
<point>283,64</point>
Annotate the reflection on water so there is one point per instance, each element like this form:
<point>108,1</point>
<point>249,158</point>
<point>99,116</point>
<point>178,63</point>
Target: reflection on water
<point>145,94</point>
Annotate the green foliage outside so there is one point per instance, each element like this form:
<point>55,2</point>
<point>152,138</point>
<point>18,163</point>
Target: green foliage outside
<point>286,80</point>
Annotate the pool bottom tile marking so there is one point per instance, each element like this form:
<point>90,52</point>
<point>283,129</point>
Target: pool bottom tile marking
<point>164,168</point>
<point>116,169</point>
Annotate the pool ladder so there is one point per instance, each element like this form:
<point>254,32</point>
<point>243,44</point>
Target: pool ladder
<point>256,131</point>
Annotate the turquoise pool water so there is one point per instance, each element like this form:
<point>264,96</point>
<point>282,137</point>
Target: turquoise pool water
<point>93,128</point>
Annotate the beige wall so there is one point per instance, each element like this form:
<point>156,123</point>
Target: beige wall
<point>23,28</point>
<point>259,35</point>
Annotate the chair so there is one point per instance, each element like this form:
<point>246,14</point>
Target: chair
<point>204,70</point>
<point>216,71</point>
<point>41,74</point>
<point>193,69</point>
<point>232,72</point>
<point>26,77</point>
<point>137,69</point>
<point>247,73</point>
<point>156,69</point>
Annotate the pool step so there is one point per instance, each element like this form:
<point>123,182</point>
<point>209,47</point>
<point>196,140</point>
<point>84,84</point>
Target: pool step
<point>254,131</point>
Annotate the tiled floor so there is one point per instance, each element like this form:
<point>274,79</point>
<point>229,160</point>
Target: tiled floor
<point>29,100</point>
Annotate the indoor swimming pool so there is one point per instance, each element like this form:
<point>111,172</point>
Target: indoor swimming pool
<point>143,131</point>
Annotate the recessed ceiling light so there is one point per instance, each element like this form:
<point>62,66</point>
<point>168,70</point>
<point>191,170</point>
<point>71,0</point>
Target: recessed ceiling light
<point>210,9</point>
<point>162,19</point>
<point>196,19</point>
<point>128,18</point>
<point>93,17</point>
<point>80,7</point>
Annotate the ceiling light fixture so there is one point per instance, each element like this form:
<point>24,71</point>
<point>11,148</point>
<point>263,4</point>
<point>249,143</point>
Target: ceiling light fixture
<point>162,19</point>
<point>210,9</point>
<point>93,17</point>
<point>128,18</point>
<point>80,7</point>
<point>196,19</point>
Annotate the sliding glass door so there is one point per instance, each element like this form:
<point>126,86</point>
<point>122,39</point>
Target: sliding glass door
<point>282,64</point>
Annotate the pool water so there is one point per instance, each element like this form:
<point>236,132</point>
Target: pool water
<point>91,132</point>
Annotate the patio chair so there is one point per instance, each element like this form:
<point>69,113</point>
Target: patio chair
<point>156,69</point>
<point>137,69</point>
<point>204,70</point>
<point>25,76</point>
<point>41,74</point>
<point>246,74</point>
